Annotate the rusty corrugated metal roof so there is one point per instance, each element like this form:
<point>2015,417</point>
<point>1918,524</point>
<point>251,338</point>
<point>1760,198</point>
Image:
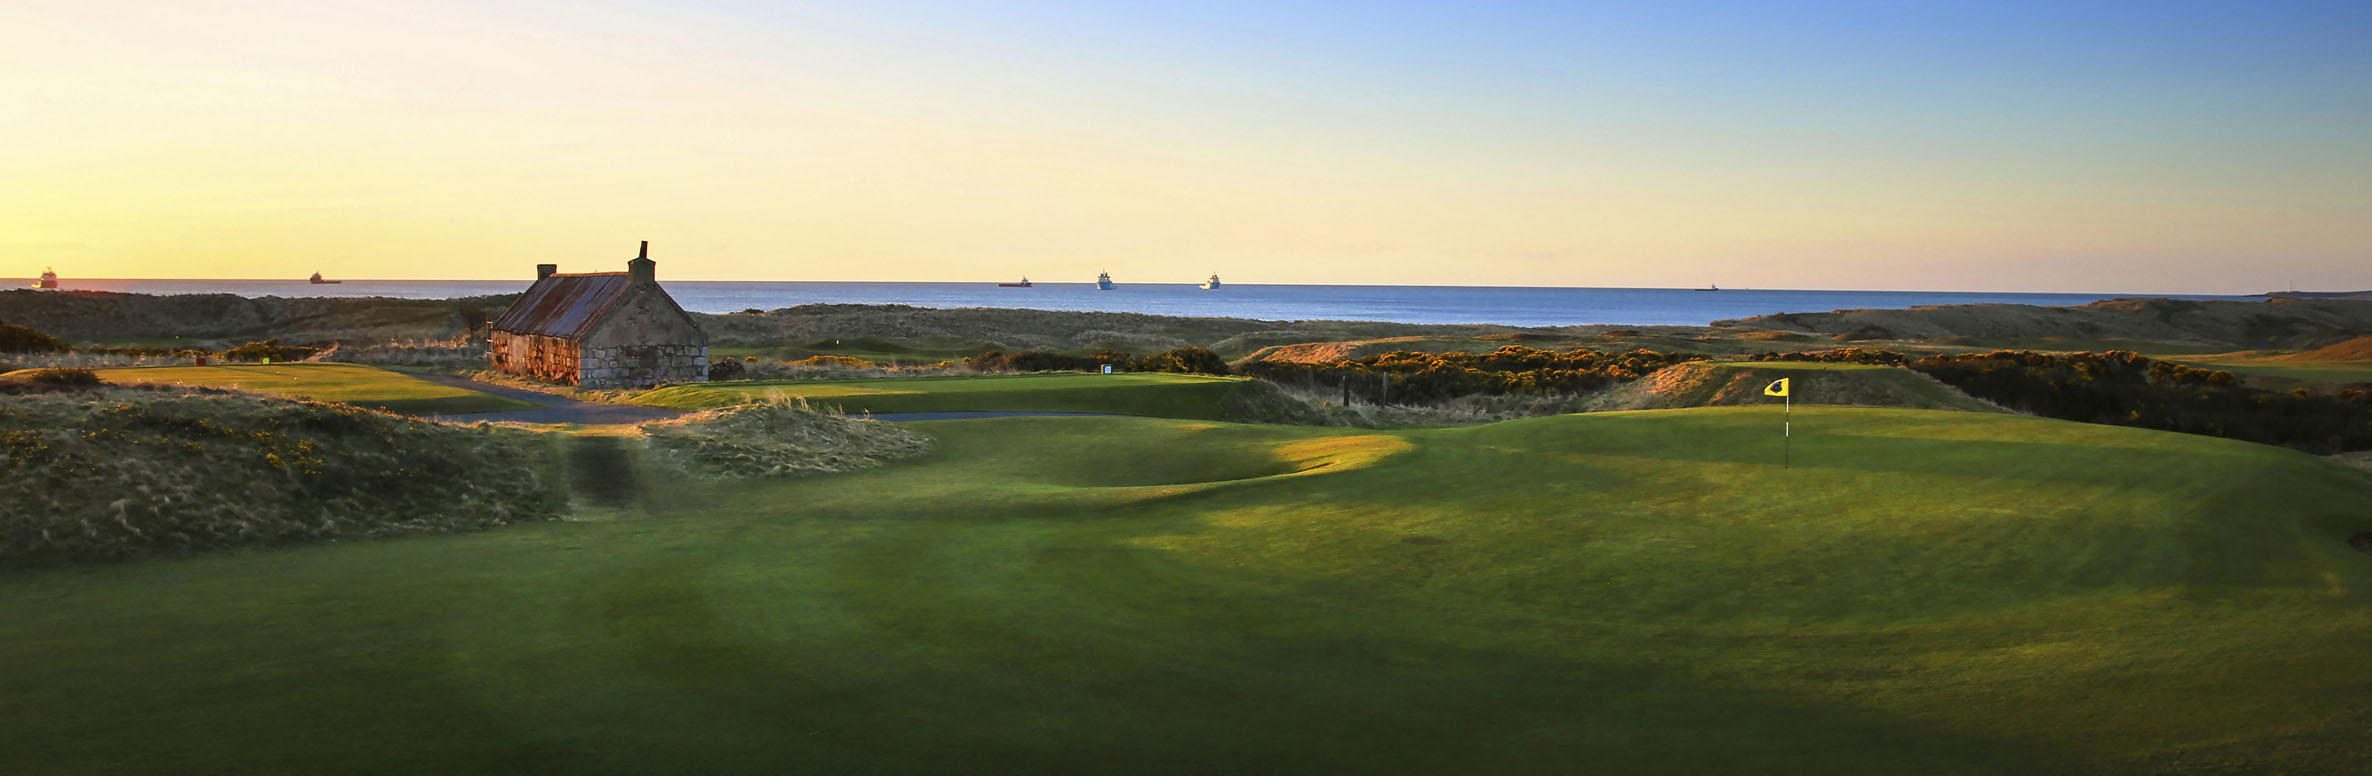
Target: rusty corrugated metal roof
<point>564,306</point>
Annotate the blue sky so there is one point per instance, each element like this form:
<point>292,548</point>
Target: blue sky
<point>2183,146</point>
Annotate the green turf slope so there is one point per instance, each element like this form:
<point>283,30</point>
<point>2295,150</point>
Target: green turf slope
<point>356,384</point>
<point>1644,592</point>
<point>1713,384</point>
<point>1152,395</point>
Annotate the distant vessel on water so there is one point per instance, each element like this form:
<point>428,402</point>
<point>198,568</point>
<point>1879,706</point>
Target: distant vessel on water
<point>1103,282</point>
<point>1025,283</point>
<point>1710,288</point>
<point>1211,283</point>
<point>319,282</point>
<point>48,281</point>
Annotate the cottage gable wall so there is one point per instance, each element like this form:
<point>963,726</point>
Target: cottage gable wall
<point>603,330</point>
<point>643,340</point>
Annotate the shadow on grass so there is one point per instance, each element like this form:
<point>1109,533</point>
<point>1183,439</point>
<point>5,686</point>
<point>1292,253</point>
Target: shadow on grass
<point>884,656</point>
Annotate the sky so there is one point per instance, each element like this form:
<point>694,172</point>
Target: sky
<point>2175,147</point>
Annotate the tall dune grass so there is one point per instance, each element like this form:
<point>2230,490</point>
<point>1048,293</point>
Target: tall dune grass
<point>115,473</point>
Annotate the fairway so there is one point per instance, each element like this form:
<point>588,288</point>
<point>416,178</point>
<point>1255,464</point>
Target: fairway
<point>1634,592</point>
<point>1149,394</point>
<point>356,384</point>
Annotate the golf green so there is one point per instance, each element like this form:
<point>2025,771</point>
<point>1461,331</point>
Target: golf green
<point>1638,592</point>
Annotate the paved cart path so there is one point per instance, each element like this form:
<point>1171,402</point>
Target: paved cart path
<point>561,409</point>
<point>556,409</point>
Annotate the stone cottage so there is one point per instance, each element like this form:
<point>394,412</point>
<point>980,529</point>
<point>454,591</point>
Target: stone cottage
<point>599,330</point>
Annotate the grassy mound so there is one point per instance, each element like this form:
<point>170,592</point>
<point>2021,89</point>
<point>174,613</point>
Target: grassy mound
<point>1715,384</point>
<point>1644,592</point>
<point>356,384</point>
<point>117,473</point>
<point>2358,349</point>
<point>780,438</point>
<point>1152,395</point>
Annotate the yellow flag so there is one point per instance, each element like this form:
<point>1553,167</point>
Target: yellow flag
<point>1776,388</point>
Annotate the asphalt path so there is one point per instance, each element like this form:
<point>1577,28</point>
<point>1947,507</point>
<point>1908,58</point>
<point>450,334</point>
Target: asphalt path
<point>555,409</point>
<point>561,409</point>
<point>895,417</point>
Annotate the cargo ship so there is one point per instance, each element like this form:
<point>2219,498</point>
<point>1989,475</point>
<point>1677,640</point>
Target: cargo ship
<point>48,280</point>
<point>319,282</point>
<point>1103,282</point>
<point>1025,283</point>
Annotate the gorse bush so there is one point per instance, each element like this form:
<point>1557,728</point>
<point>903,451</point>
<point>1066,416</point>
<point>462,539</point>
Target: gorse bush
<point>119,473</point>
<point>72,378</point>
<point>269,349</point>
<point>21,339</point>
<point>451,352</point>
<point>830,361</point>
<point>1407,376</point>
<point>1187,360</point>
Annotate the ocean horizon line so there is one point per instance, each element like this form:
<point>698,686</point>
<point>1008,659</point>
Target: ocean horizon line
<point>18,283</point>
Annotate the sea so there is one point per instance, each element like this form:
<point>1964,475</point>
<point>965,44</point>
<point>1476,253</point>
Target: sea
<point>1511,306</point>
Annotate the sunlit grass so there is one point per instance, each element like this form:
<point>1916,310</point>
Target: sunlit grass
<point>355,384</point>
<point>1921,592</point>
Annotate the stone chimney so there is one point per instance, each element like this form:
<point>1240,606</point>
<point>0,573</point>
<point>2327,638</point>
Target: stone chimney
<point>642,268</point>
<point>546,270</point>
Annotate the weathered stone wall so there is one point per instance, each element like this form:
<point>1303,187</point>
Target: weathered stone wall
<point>532,355</point>
<point>644,340</point>
<point>643,366</point>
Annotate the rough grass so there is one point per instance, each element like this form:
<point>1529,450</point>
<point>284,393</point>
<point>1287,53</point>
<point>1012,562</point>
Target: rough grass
<point>780,438</point>
<point>356,384</point>
<point>1648,592</point>
<point>2283,373</point>
<point>2354,350</point>
<point>117,473</point>
<point>1711,384</point>
<point>1147,394</point>
<point>453,353</point>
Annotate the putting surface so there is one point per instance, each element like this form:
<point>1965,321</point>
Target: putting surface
<point>356,384</point>
<point>1147,394</point>
<point>1643,592</point>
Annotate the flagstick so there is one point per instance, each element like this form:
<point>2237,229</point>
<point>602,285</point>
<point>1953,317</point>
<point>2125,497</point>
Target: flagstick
<point>1787,429</point>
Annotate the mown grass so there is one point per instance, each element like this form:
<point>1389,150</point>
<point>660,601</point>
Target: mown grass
<point>356,384</point>
<point>1810,382</point>
<point>1152,395</point>
<point>1923,592</point>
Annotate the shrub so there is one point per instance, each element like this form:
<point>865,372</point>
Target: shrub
<point>71,378</point>
<point>141,352</point>
<point>1033,361</point>
<point>1187,360</point>
<point>1408,376</point>
<point>838,362</point>
<point>20,339</point>
<point>271,349</point>
<point>726,369</point>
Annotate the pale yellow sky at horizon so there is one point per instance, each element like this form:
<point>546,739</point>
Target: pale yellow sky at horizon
<point>466,141</point>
